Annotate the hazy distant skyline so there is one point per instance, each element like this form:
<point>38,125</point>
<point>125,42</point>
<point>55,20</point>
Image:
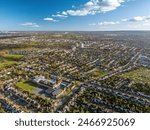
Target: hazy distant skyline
<point>74,15</point>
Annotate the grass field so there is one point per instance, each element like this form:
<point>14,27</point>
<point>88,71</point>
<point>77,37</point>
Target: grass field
<point>13,56</point>
<point>9,60</point>
<point>5,62</point>
<point>99,73</point>
<point>141,75</point>
<point>26,86</point>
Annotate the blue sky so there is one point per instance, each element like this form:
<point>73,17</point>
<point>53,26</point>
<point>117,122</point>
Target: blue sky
<point>74,15</point>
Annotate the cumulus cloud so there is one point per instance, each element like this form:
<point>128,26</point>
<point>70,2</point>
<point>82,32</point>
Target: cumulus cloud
<point>30,24</point>
<point>141,18</point>
<point>92,7</point>
<point>137,19</point>
<point>50,19</point>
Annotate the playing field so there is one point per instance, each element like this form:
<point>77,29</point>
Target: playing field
<point>26,86</point>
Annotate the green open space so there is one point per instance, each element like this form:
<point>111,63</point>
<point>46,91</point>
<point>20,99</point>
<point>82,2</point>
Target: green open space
<point>13,56</point>
<point>26,85</point>
<point>6,63</point>
<point>140,75</point>
<point>99,73</point>
<point>9,60</point>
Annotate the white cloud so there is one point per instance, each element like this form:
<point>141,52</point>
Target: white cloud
<point>135,23</point>
<point>30,24</point>
<point>50,19</point>
<point>77,12</point>
<point>89,4</point>
<point>96,6</point>
<point>137,19</point>
<point>60,16</point>
<point>142,18</point>
<point>108,23</point>
<point>92,7</point>
<point>64,13</point>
